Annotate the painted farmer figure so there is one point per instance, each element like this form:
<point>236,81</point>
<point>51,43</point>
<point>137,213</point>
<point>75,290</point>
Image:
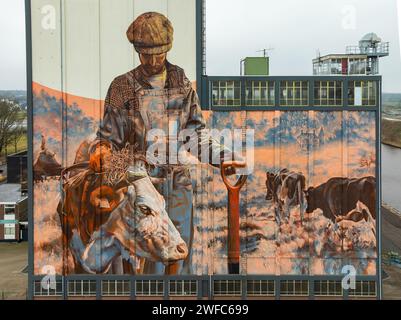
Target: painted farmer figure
<point>155,97</point>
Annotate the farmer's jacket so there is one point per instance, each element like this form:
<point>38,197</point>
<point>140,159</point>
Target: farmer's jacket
<point>124,125</point>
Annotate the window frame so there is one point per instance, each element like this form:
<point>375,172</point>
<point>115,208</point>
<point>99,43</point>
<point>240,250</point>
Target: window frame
<point>294,293</point>
<point>9,207</point>
<point>227,292</point>
<point>183,292</point>
<point>369,86</point>
<point>260,292</point>
<point>116,283</point>
<point>149,283</point>
<point>58,292</point>
<point>294,93</point>
<point>227,91</point>
<point>79,288</point>
<point>360,292</point>
<point>331,87</point>
<point>262,85</point>
<point>328,292</point>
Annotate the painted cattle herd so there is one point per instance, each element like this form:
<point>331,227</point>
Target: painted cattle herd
<point>337,198</point>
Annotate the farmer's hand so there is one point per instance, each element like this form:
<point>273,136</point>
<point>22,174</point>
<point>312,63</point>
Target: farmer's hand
<point>231,170</point>
<point>98,157</point>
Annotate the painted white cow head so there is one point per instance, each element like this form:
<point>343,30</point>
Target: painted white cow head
<point>142,225</point>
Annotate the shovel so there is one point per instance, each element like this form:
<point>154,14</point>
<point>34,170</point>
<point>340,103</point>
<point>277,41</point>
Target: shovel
<point>233,214</point>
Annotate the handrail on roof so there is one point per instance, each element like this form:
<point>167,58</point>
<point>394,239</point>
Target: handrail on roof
<point>381,48</point>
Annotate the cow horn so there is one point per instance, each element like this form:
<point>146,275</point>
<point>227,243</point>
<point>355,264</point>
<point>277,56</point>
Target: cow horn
<point>131,194</point>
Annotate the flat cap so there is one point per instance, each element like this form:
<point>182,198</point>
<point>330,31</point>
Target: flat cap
<point>151,33</point>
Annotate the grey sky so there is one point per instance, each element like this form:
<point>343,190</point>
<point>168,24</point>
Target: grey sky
<point>12,48</point>
<point>296,29</point>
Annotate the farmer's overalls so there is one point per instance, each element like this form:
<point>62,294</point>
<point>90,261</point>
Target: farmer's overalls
<point>162,112</point>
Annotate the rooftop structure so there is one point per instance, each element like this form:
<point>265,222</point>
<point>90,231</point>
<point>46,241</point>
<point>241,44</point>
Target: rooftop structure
<point>361,59</point>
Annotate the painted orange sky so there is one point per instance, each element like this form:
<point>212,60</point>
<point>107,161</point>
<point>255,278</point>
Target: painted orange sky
<point>90,107</point>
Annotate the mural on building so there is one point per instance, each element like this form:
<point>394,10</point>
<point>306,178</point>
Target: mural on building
<point>102,206</point>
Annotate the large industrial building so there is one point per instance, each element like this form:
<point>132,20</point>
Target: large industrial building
<point>311,205</point>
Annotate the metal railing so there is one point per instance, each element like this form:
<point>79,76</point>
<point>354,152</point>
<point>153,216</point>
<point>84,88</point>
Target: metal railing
<point>380,49</point>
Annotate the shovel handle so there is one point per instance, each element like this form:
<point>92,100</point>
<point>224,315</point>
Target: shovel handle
<point>233,241</point>
<point>241,181</point>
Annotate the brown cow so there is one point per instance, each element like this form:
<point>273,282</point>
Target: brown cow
<point>339,196</point>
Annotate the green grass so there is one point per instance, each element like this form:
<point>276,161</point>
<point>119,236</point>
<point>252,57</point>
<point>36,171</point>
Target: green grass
<point>22,145</point>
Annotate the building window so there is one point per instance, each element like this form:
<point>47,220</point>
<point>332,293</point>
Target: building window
<point>9,231</point>
<point>82,288</point>
<point>294,288</point>
<point>9,217</point>
<point>294,93</point>
<point>9,209</point>
<point>259,93</point>
<point>328,288</point>
<point>362,93</point>
<point>336,66</point>
<point>227,288</point>
<point>226,93</point>
<point>364,289</point>
<point>116,288</point>
<point>183,288</point>
<point>328,66</point>
<point>328,93</point>
<point>149,288</point>
<point>260,288</point>
<point>41,291</point>
<point>357,66</point>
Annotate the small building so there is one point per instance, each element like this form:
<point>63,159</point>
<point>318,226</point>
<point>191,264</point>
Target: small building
<point>13,213</point>
<point>309,140</point>
<point>362,59</point>
<point>17,167</point>
<point>256,66</point>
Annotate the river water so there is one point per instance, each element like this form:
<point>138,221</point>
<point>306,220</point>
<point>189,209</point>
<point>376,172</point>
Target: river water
<point>391,176</point>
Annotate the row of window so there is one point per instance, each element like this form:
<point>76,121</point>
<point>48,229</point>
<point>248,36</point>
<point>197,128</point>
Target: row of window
<point>294,93</point>
<point>120,288</point>
<point>110,288</point>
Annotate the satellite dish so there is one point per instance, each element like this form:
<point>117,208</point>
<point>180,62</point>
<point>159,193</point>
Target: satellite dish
<point>372,38</point>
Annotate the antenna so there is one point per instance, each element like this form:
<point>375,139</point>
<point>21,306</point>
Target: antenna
<point>265,51</point>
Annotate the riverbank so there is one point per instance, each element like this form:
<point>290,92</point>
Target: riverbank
<point>391,132</point>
